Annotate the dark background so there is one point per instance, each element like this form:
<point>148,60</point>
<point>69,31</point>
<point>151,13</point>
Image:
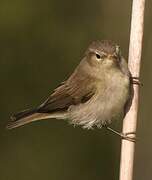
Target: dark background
<point>41,42</point>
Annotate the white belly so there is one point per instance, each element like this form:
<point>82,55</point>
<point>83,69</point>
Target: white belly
<point>104,107</point>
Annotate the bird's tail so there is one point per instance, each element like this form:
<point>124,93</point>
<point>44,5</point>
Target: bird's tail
<point>25,117</point>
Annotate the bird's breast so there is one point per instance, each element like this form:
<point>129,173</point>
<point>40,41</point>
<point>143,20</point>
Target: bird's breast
<point>107,104</point>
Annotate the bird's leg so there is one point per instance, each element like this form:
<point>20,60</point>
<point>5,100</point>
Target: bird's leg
<point>135,80</point>
<point>122,135</point>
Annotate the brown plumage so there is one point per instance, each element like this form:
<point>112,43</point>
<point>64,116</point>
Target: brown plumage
<point>83,97</point>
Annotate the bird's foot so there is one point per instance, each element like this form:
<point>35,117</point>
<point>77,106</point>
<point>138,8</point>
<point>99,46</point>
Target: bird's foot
<point>125,136</point>
<point>135,80</point>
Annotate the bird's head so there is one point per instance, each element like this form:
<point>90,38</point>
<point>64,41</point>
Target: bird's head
<point>103,54</point>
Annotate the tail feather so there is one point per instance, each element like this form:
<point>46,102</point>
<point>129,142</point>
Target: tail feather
<point>25,117</point>
<point>22,114</point>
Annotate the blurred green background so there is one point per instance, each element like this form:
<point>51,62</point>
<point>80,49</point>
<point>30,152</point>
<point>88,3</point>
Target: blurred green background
<point>41,42</point>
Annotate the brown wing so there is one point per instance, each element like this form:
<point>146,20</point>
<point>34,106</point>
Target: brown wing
<point>79,88</point>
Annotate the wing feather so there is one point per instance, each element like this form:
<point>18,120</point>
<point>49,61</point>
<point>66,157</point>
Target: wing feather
<point>79,88</point>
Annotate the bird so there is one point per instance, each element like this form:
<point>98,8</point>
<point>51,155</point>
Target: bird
<point>94,95</point>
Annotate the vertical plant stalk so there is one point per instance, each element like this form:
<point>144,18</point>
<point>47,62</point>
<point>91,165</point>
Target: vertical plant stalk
<point>130,121</point>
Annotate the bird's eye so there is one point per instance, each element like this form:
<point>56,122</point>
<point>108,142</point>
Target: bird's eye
<point>98,56</point>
